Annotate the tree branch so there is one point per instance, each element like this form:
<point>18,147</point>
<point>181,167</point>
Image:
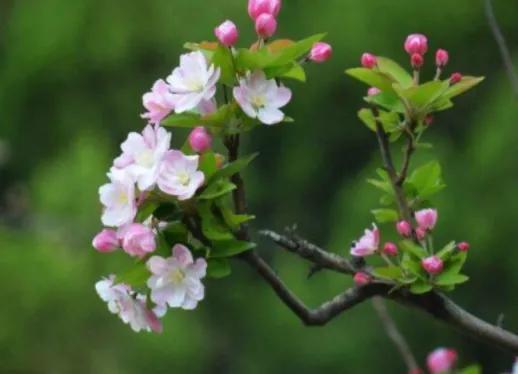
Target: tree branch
<point>393,333</point>
<point>502,45</point>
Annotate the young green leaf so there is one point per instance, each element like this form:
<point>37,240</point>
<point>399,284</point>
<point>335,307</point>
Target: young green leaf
<point>229,248</point>
<point>137,276</point>
<point>372,78</point>
<point>450,279</point>
<point>385,215</point>
<point>395,71</point>
<point>216,189</point>
<point>473,369</point>
<point>208,164</point>
<point>218,268</point>
<point>223,59</point>
<point>464,85</point>
<point>232,168</point>
<point>388,272</point>
<point>427,179</point>
<point>410,247</point>
<point>420,287</point>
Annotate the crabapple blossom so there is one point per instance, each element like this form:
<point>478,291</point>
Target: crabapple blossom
<point>265,25</point>
<point>200,139</point>
<point>404,228</point>
<point>261,98</point>
<point>455,78</point>
<point>463,246</point>
<point>227,33</point>
<point>106,241</point>
<point>321,52</point>
<point>193,81</point>
<point>441,57</point>
<point>130,307</point>
<point>176,281</point>
<point>433,265</point>
<point>416,60</point>
<point>441,360</point>
<point>179,175</point>
<point>368,60</point>
<point>159,102</point>
<point>361,279</point>
<point>368,244</point>
<point>142,155</point>
<point>416,43</point>
<point>118,199</point>
<point>426,218</point>
<point>137,239</point>
<point>390,249</point>
<point>258,7</point>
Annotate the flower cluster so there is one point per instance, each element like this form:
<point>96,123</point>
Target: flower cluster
<point>169,209</point>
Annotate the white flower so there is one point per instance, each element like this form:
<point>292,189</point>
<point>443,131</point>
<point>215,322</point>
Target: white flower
<point>261,98</point>
<point>142,155</point>
<point>193,81</point>
<point>176,281</point>
<point>118,198</point>
<point>130,307</point>
<point>179,175</point>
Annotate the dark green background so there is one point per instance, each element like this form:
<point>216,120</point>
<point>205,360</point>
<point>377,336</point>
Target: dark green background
<point>72,74</point>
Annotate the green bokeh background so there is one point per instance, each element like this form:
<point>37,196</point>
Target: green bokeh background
<point>71,78</point>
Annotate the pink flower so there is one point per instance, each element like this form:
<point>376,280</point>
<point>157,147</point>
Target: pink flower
<point>118,199</point>
<point>416,43</point>
<point>463,246</point>
<point>320,52</point>
<point>420,233</point>
<point>404,228</point>
<point>441,58</point>
<point>265,25</point>
<point>416,371</point>
<point>200,140</point>
<point>261,98</point>
<point>106,241</point>
<point>368,244</point>
<point>433,265</point>
<point>416,60</point>
<point>176,281</point>
<point>130,307</point>
<point>455,78</point>
<point>159,102</point>
<point>361,278</point>
<point>179,175</point>
<point>372,91</point>
<point>441,360</point>
<point>137,239</point>
<point>227,33</point>
<point>258,7</point>
<point>368,60</point>
<point>390,249</point>
<point>426,218</point>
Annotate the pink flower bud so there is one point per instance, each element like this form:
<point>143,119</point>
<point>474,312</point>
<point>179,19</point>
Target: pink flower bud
<point>416,44</point>
<point>321,52</point>
<point>426,218</point>
<point>390,249</point>
<point>463,246</point>
<point>455,78</point>
<point>416,371</point>
<point>106,241</point>
<point>373,91</point>
<point>441,360</point>
<point>433,265</point>
<point>368,60</point>
<point>428,120</point>
<point>137,239</point>
<point>258,7</point>
<point>404,228</point>
<point>361,278</point>
<point>441,58</point>
<point>265,25</point>
<point>200,140</point>
<point>227,33</point>
<point>416,60</point>
<point>420,233</point>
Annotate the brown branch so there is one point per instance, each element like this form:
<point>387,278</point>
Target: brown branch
<point>502,45</point>
<point>394,334</point>
<point>409,150</point>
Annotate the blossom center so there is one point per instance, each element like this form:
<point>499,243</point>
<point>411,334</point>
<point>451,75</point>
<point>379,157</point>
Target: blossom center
<point>122,198</point>
<point>176,276</point>
<point>258,101</point>
<point>194,84</point>
<point>145,158</point>
<point>184,178</point>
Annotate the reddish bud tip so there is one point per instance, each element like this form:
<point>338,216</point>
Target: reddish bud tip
<point>441,58</point>
<point>416,44</point>
<point>373,91</point>
<point>455,78</point>
<point>432,265</point>
<point>321,52</point>
<point>361,278</point>
<point>200,140</point>
<point>404,228</point>
<point>227,33</point>
<point>265,25</point>
<point>368,60</point>
<point>390,249</point>
<point>463,246</point>
<point>417,60</point>
<point>428,120</point>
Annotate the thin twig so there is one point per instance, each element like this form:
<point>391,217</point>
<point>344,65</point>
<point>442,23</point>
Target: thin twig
<point>394,334</point>
<point>502,45</point>
<point>409,150</point>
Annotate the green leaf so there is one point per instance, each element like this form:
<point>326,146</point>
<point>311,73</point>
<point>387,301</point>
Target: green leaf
<point>216,120</point>
<point>145,210</point>
<point>229,248</point>
<point>371,78</point>
<point>427,179</point>
<point>367,117</point>
<point>175,232</point>
<point>455,263</point>
<point>464,85</point>
<point>231,219</point>
<point>420,287</point>
<point>422,96</point>
<point>385,215</point>
<point>291,71</point>
<point>388,272</point>
<point>135,277</point>
<point>168,212</point>
<point>208,164</point>
<point>297,50</point>
<point>411,264</point>
<point>394,70</point>
<point>212,227</point>
<point>388,100</point>
<point>233,167</point>
<point>450,279</point>
<point>216,189</point>
<point>472,369</point>
<point>223,59</point>
<point>218,268</point>
<point>410,247</point>
<point>384,184</point>
<point>187,120</point>
<point>447,251</point>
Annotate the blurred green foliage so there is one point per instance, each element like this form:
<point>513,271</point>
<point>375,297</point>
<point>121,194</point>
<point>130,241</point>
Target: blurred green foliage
<point>71,78</point>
